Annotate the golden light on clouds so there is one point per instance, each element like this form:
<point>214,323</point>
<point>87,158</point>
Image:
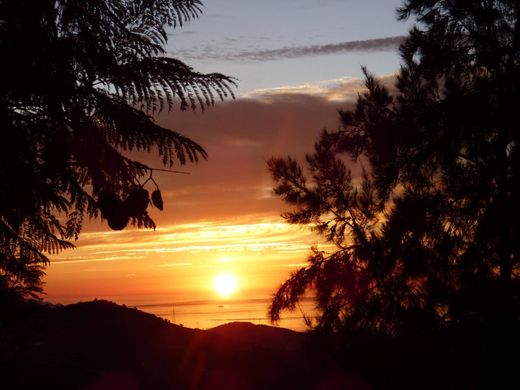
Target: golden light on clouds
<point>344,89</point>
<point>182,259</point>
<point>223,216</point>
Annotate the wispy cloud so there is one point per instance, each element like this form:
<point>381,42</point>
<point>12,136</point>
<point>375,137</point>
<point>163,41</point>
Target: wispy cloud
<point>227,53</point>
<point>204,238</point>
<point>78,260</point>
<point>380,44</point>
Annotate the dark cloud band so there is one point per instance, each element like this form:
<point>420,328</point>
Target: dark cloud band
<point>227,54</point>
<point>380,44</point>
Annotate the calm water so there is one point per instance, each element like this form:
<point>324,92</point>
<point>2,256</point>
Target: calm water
<point>211,313</point>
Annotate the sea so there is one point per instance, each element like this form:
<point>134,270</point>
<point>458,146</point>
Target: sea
<point>206,314</point>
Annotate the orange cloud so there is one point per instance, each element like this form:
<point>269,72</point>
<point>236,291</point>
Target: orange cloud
<point>223,209</point>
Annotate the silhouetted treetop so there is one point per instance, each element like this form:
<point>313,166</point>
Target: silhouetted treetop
<point>429,236</point>
<point>79,83</point>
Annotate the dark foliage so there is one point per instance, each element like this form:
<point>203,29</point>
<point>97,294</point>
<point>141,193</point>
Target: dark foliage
<point>79,82</point>
<point>428,238</point>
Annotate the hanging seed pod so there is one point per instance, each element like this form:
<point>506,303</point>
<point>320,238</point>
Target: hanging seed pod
<point>157,199</point>
<point>119,218</point>
<point>107,203</point>
<point>136,202</point>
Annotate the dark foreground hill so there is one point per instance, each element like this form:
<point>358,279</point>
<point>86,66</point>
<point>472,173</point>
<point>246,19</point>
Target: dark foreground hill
<point>100,345</point>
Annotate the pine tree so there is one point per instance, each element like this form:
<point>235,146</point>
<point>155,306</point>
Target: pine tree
<point>429,236</point>
<point>80,82</point>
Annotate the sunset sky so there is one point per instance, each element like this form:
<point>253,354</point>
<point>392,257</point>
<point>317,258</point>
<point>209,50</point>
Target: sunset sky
<point>297,62</point>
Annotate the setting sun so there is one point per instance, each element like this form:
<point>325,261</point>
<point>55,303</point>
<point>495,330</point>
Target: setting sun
<point>225,285</point>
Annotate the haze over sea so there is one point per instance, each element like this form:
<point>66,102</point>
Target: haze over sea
<point>205,314</point>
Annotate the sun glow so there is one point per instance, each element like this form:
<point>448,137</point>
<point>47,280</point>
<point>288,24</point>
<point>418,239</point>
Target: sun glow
<point>225,285</point>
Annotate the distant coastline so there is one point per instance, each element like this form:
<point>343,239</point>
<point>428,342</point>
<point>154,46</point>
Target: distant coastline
<point>209,313</point>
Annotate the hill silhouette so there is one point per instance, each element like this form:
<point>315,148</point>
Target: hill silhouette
<point>101,345</point>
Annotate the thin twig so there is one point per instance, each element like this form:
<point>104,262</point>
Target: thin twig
<point>167,170</point>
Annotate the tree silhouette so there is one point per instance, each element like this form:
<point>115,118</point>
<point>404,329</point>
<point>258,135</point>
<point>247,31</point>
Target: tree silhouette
<point>429,236</point>
<point>79,83</point>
